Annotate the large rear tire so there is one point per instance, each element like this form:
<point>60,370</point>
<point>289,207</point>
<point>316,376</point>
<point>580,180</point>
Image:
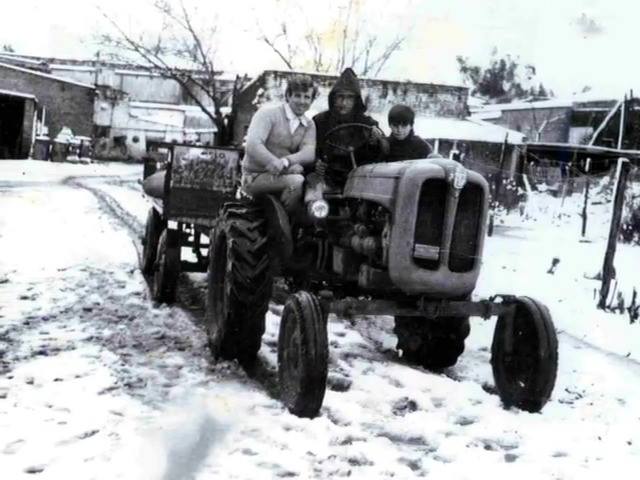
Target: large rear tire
<point>303,355</point>
<point>166,267</point>
<point>152,230</point>
<point>239,284</point>
<point>524,356</point>
<point>434,344</point>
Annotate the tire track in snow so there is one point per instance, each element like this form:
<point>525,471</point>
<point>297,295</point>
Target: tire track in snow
<point>129,221</point>
<point>189,295</point>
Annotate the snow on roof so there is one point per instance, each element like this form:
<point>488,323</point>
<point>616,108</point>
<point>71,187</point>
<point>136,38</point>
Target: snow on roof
<point>13,57</point>
<point>75,68</point>
<point>554,103</point>
<point>12,93</point>
<point>164,106</point>
<point>46,75</point>
<point>469,129</point>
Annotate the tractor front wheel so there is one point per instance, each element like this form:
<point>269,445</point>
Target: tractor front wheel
<point>303,354</point>
<point>524,356</point>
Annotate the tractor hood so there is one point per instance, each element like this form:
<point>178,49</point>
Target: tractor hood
<point>378,182</point>
<point>438,222</point>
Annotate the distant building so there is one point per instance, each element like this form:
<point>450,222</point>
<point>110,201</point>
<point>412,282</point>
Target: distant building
<point>556,120</point>
<point>568,137</point>
<point>123,126</point>
<point>132,103</point>
<point>32,99</point>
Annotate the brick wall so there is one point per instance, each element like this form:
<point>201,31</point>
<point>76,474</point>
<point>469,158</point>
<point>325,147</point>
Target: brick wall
<point>67,104</point>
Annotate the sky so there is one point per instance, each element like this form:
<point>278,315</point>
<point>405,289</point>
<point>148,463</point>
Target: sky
<point>572,43</point>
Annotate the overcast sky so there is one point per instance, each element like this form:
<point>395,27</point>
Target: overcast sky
<point>572,43</point>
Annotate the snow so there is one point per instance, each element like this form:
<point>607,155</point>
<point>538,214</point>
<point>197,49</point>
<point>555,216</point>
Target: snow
<point>98,382</point>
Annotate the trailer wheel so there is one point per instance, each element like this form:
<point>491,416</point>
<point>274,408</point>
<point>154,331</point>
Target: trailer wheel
<point>239,284</point>
<point>152,230</point>
<point>434,344</point>
<point>166,267</point>
<point>524,356</point>
<point>303,354</point>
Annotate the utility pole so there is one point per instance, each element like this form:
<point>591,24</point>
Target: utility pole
<point>96,68</point>
<point>587,167</point>
<point>607,267</point>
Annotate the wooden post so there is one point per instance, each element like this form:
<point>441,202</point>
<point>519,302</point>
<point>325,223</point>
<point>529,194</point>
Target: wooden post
<point>497,184</point>
<point>623,109</point>
<point>586,197</point>
<point>616,217</point>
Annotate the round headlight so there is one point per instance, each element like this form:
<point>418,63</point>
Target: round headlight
<point>319,209</point>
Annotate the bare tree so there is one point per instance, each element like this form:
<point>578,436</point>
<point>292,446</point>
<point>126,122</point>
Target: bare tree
<point>346,42</point>
<point>179,49</point>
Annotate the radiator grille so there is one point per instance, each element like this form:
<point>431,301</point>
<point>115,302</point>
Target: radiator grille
<point>430,219</point>
<point>464,244</point>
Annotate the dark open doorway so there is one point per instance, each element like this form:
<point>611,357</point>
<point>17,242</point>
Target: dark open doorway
<point>11,122</point>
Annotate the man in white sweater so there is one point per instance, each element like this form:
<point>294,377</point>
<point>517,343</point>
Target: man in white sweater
<point>281,142</point>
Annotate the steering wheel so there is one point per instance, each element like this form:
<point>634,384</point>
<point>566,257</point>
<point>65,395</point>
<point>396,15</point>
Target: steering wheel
<point>349,146</point>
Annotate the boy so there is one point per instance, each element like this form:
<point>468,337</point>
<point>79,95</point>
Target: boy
<point>404,144</point>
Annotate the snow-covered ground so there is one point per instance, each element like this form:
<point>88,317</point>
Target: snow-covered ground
<point>98,382</point>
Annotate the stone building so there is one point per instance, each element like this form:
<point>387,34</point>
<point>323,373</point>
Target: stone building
<point>35,98</point>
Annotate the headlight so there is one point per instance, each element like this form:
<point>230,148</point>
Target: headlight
<point>319,209</point>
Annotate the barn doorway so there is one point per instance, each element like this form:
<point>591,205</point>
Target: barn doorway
<point>11,124</point>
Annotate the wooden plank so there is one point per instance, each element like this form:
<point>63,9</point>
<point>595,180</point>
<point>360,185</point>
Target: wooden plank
<point>614,228</point>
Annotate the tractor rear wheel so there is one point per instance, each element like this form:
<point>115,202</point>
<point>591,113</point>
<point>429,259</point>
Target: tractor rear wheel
<point>166,267</point>
<point>152,230</point>
<point>303,354</point>
<point>239,284</point>
<point>524,356</point>
<point>433,344</point>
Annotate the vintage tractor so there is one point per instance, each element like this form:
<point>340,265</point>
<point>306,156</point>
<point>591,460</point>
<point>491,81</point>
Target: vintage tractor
<point>403,239</point>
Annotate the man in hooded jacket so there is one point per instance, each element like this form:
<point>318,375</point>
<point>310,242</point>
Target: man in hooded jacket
<point>346,106</point>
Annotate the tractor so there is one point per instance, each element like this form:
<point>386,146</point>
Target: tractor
<point>403,239</point>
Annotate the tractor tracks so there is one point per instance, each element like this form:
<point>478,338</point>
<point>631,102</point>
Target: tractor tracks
<point>190,294</point>
<point>134,227</point>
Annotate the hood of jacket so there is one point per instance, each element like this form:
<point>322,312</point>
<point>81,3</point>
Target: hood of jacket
<point>348,81</point>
